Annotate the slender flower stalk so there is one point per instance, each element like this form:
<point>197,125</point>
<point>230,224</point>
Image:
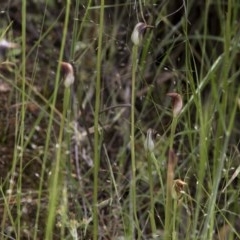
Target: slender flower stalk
<point>136,37</point>
<point>133,204</point>
<point>177,105</point>
<point>168,226</point>
<point>54,188</point>
<point>149,147</point>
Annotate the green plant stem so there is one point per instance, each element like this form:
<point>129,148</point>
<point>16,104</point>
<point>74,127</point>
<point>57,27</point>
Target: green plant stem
<point>174,231</point>
<point>84,18</point>
<point>75,28</point>
<point>55,180</point>
<point>22,120</point>
<point>58,167</point>
<point>151,189</point>
<point>133,204</point>
<point>168,205</point>
<point>96,117</point>
<point>158,168</point>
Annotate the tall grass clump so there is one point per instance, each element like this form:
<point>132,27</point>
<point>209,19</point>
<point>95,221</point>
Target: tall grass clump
<point>16,183</point>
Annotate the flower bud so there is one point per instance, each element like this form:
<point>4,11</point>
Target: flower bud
<point>177,103</point>
<point>149,143</point>
<point>69,74</point>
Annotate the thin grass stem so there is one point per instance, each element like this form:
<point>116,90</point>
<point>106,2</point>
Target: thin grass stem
<point>96,120</point>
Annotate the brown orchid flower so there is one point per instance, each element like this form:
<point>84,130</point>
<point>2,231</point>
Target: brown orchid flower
<point>138,31</point>
<point>69,74</point>
<point>177,103</point>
